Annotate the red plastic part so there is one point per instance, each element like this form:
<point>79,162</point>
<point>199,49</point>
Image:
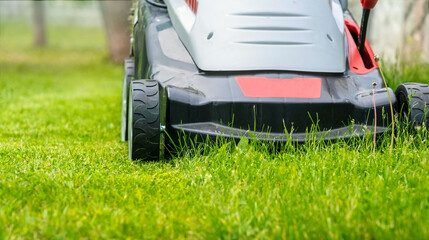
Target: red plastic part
<point>263,87</point>
<point>193,5</point>
<point>358,64</point>
<point>368,4</point>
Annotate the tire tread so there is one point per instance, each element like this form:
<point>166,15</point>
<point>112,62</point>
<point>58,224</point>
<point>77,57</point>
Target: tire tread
<point>145,120</point>
<point>416,106</point>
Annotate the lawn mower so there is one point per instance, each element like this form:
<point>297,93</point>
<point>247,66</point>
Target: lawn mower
<point>268,70</point>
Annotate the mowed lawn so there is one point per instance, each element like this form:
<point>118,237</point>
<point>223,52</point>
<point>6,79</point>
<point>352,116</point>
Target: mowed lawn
<point>65,174</point>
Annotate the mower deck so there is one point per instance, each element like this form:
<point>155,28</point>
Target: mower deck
<point>229,94</point>
<point>214,130</point>
<point>214,103</point>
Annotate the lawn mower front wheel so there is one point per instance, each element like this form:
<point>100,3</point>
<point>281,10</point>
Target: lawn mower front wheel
<point>413,103</point>
<point>143,121</point>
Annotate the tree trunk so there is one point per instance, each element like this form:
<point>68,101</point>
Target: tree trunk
<point>39,23</point>
<point>115,16</point>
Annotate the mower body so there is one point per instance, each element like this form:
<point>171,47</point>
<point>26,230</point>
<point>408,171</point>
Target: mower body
<point>261,69</point>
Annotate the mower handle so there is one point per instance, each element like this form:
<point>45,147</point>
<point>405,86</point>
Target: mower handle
<point>368,4</point>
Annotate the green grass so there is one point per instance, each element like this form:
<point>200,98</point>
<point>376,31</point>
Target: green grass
<point>65,174</point>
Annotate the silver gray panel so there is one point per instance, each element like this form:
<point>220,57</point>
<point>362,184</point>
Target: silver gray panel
<point>226,35</point>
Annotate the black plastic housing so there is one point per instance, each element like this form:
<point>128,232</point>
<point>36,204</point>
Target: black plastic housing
<point>212,103</point>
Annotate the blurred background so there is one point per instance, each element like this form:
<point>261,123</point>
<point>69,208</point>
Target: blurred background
<point>399,29</point>
<point>91,24</point>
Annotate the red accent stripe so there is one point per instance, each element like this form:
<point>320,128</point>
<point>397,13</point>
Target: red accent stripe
<point>193,5</point>
<point>356,62</point>
<point>263,87</point>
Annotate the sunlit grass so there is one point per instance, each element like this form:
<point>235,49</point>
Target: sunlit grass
<point>402,72</point>
<point>65,174</point>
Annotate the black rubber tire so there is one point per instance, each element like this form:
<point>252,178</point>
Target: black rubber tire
<point>413,103</point>
<point>127,77</point>
<point>143,121</point>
